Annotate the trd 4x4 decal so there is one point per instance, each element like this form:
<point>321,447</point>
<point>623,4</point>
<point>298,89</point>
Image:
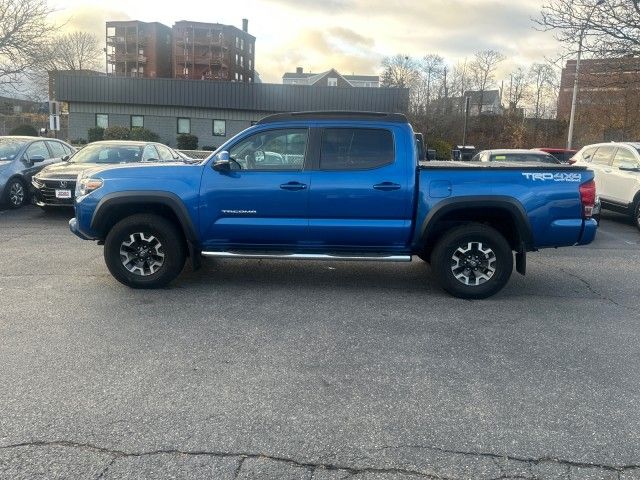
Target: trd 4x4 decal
<point>555,177</point>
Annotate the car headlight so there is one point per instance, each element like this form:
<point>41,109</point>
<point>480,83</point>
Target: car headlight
<point>85,186</point>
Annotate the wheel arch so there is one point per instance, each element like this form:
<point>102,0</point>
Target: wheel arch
<point>505,214</point>
<point>113,207</point>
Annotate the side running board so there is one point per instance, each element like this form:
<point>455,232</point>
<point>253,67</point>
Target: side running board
<point>310,256</point>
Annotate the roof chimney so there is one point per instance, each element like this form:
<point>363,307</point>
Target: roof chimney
<point>299,70</point>
<point>245,25</point>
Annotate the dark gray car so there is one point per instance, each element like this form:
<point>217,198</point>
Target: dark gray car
<point>20,159</point>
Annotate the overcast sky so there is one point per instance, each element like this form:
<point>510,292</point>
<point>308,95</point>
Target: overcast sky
<point>350,35</point>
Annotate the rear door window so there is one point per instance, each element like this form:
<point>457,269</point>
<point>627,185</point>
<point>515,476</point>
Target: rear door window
<point>604,155</point>
<point>356,148</point>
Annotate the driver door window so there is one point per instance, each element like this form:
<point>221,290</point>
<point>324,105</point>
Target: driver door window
<point>149,154</point>
<point>165,153</point>
<point>37,149</point>
<point>279,150</point>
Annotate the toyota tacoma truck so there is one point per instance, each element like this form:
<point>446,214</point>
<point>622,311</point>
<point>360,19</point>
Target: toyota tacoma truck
<point>333,186</point>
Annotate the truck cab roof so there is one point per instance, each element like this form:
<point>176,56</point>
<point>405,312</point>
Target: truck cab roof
<point>335,115</point>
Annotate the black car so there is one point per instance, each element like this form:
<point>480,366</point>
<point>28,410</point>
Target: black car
<point>23,157</point>
<point>55,185</point>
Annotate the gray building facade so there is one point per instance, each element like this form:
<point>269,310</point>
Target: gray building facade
<point>213,111</point>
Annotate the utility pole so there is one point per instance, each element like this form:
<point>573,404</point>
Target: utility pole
<point>575,82</point>
<point>467,103</point>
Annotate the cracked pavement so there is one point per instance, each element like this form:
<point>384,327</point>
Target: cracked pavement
<point>311,370</point>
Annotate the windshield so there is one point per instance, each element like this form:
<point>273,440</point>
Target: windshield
<point>108,154</point>
<point>524,157</point>
<point>10,147</point>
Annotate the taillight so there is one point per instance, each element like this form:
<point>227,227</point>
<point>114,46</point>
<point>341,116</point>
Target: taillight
<point>588,198</point>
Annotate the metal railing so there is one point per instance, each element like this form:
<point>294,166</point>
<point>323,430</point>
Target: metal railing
<point>196,154</point>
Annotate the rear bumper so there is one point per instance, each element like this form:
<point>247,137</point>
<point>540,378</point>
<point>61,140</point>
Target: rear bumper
<point>73,226</point>
<point>589,230</point>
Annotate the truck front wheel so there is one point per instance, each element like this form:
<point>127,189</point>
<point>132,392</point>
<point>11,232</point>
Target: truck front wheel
<point>144,251</point>
<point>472,261</point>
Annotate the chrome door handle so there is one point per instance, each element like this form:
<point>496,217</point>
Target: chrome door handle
<point>293,186</point>
<point>387,186</point>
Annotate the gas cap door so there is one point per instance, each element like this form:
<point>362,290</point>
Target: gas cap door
<point>440,189</point>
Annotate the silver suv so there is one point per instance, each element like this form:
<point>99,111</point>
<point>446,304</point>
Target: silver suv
<point>617,171</point>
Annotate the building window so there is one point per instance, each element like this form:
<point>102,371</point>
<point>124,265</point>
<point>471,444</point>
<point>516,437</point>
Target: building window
<point>241,77</point>
<point>250,47</point>
<point>250,65</point>
<point>237,76</point>
<point>332,82</point>
<point>137,121</point>
<point>184,125</point>
<point>242,44</point>
<point>102,120</point>
<point>237,42</point>
<point>237,59</point>
<point>219,128</point>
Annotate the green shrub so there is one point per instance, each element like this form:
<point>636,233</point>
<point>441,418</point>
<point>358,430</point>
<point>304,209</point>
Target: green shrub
<point>79,141</point>
<point>186,141</point>
<point>95,134</point>
<point>117,132</point>
<point>442,148</point>
<point>209,148</point>
<point>28,130</point>
<point>144,135</point>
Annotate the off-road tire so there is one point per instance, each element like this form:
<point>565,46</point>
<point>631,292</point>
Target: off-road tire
<point>155,231</point>
<point>449,251</point>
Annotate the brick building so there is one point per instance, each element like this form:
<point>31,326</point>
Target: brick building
<point>212,51</point>
<point>138,49</point>
<point>608,98</point>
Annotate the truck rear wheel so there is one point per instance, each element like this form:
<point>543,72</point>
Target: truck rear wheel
<point>144,251</point>
<point>472,261</point>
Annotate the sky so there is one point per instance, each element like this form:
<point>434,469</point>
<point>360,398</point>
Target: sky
<point>350,35</point>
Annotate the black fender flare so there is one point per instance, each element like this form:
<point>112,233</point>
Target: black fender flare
<point>167,199</point>
<point>506,203</point>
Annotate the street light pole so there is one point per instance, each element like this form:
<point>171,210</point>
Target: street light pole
<point>575,82</point>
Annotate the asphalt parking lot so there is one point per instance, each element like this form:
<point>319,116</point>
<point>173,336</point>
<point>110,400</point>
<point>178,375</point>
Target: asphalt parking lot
<point>311,370</point>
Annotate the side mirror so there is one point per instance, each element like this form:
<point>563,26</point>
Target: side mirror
<point>628,167</point>
<point>222,162</point>
<point>36,159</point>
<point>65,158</point>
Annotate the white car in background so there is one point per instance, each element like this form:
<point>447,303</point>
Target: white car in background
<point>617,173</point>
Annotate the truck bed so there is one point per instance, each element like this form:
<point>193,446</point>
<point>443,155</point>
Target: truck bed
<point>444,164</point>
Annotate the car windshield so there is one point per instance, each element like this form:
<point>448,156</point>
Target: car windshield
<point>9,148</point>
<point>108,154</point>
<point>523,157</point>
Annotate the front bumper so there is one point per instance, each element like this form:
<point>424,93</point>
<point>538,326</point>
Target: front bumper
<point>73,226</point>
<point>44,193</point>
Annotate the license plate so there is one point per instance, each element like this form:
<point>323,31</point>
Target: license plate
<point>63,193</point>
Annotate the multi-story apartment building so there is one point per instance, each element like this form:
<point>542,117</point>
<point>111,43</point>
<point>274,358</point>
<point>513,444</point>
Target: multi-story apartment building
<point>138,49</point>
<point>330,78</point>
<point>212,51</point>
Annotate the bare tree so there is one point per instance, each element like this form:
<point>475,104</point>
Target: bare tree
<point>75,51</point>
<point>483,69</point>
<point>611,29</point>
<point>24,34</point>
<point>518,87</point>
<point>431,66</point>
<point>543,79</point>
<point>399,71</point>
<point>460,82</point>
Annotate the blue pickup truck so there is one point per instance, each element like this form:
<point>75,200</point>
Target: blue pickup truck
<point>333,186</point>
